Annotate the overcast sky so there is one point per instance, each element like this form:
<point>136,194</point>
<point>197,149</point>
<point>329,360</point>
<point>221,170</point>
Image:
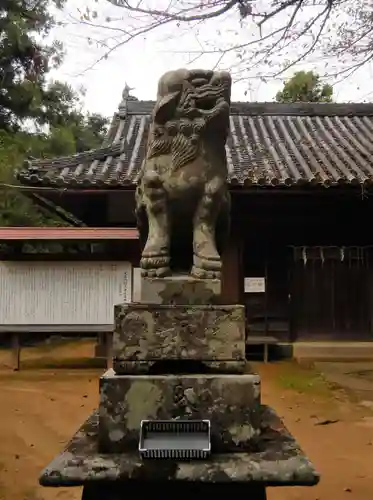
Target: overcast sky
<point>142,61</point>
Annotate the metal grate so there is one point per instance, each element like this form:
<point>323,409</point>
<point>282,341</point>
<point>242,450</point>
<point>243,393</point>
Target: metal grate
<point>175,439</point>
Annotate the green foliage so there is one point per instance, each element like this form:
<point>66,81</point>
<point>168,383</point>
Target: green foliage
<point>27,98</point>
<point>24,59</point>
<point>88,131</point>
<point>15,208</point>
<point>72,131</point>
<point>305,86</point>
<point>302,379</point>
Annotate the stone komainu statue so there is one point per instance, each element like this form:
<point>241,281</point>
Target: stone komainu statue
<point>182,192</point>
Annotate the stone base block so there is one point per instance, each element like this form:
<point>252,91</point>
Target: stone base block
<point>147,333</point>
<point>277,460</point>
<point>230,402</point>
<point>179,289</point>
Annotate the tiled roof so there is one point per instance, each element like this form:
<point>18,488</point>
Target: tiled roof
<point>270,144</point>
<point>67,233</point>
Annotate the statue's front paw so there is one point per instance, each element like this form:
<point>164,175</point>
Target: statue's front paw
<point>206,268</point>
<point>203,274</point>
<point>156,266</point>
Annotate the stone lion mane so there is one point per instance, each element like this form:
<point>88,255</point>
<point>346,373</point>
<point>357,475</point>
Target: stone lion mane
<point>179,124</point>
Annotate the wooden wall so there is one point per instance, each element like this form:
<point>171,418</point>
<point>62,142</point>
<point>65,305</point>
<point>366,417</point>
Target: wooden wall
<point>321,296</point>
<point>109,250</point>
<point>268,312</point>
<point>331,293</point>
<point>232,284</point>
<point>319,300</point>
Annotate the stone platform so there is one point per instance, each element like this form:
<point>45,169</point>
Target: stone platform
<point>147,333</point>
<point>230,402</point>
<point>180,289</point>
<point>276,461</point>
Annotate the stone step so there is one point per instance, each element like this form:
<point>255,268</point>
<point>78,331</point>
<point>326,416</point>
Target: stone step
<point>333,350</point>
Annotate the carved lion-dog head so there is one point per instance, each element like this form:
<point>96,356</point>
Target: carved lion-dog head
<point>193,95</point>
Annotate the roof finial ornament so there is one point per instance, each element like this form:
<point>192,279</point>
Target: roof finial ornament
<point>126,91</point>
<point>125,98</point>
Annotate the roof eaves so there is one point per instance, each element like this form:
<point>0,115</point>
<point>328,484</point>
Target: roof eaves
<point>67,233</point>
<point>275,108</point>
<point>301,109</point>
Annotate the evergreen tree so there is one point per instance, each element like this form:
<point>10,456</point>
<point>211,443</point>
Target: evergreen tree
<point>305,86</point>
<point>25,60</point>
<point>26,95</point>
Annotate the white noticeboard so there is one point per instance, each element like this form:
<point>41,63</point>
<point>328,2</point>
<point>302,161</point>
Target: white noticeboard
<point>254,285</point>
<point>62,293</point>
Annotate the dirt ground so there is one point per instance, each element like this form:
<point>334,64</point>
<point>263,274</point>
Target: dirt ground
<point>356,377</point>
<point>42,407</point>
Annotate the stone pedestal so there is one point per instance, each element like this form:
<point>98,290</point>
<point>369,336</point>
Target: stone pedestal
<point>181,363</point>
<point>230,402</point>
<point>182,356</point>
<point>147,333</point>
<point>277,460</point>
<point>180,289</point>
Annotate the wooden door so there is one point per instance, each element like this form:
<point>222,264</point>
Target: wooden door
<point>268,313</point>
<point>330,294</point>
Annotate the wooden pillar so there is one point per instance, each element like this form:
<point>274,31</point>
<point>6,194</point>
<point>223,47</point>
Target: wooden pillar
<point>16,351</point>
<point>232,276</point>
<point>100,347</point>
<point>109,350</point>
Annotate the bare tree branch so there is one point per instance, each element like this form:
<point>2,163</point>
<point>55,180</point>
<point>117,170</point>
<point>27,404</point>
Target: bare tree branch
<point>326,11</point>
<point>338,33</point>
<point>164,14</point>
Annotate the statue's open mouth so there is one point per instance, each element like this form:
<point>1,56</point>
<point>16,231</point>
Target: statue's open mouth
<point>206,103</point>
<point>208,106</point>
